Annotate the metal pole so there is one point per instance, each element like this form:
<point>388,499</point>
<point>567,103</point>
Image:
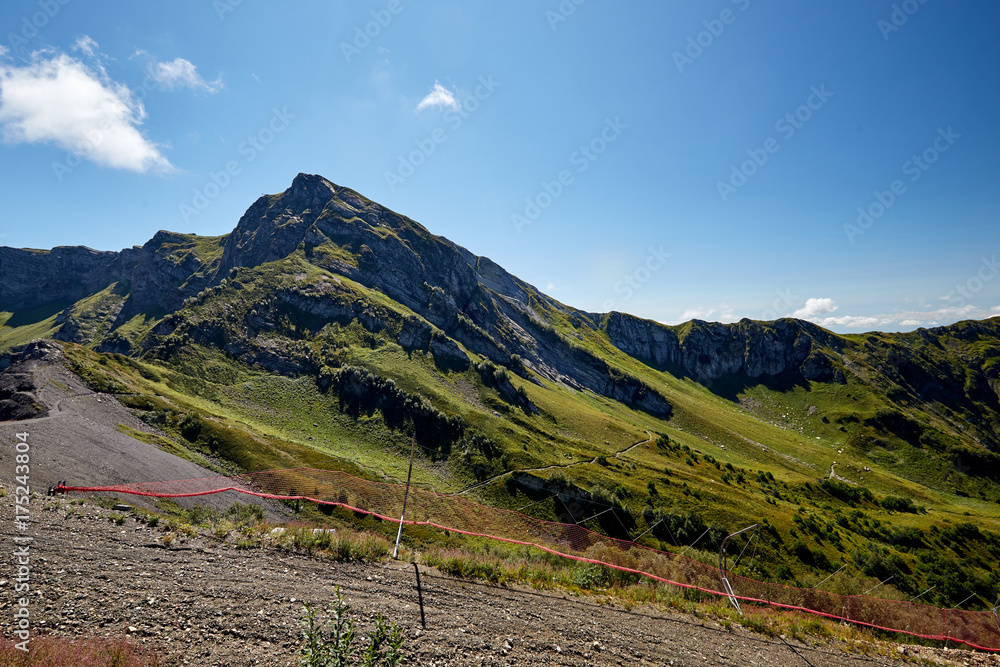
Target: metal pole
<point>878,584</point>
<point>996,619</point>
<point>722,547</point>
<point>841,568</point>
<point>959,605</point>
<point>406,496</point>
<point>648,529</point>
<point>928,591</point>
<point>722,570</point>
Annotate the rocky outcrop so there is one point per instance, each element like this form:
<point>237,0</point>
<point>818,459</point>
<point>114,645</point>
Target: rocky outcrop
<point>447,353</point>
<point>63,275</point>
<point>709,351</point>
<point>18,391</point>
<point>158,275</point>
<point>415,334</point>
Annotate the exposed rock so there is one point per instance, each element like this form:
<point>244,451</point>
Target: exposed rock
<point>709,351</point>
<point>63,275</point>
<point>18,393</point>
<point>414,335</point>
<point>448,354</point>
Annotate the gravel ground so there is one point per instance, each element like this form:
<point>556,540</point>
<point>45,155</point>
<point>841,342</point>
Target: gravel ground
<point>202,601</point>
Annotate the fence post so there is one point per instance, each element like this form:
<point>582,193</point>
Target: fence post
<point>722,566</point>
<point>406,496</point>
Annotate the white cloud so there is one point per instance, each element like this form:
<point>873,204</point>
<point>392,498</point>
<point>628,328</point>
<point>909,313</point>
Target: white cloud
<point>908,318</point>
<point>818,312</point>
<point>815,307</point>
<point>86,44</point>
<point>852,321</point>
<point>439,97</point>
<point>3,50</point>
<point>181,73</point>
<point>721,313</point>
<point>58,100</point>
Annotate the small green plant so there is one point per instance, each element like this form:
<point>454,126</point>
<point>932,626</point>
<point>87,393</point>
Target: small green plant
<point>245,515</point>
<point>221,529</point>
<point>199,515</point>
<point>337,647</point>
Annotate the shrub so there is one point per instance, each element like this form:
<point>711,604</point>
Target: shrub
<point>199,514</point>
<point>245,515</point>
<point>897,504</point>
<point>191,427</point>
<point>851,495</point>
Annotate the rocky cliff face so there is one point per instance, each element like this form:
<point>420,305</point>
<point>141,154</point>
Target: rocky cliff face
<point>160,275</point>
<point>708,351</point>
<point>35,278</point>
<point>153,276</point>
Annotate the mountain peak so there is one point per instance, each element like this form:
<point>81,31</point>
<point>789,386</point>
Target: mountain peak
<point>310,183</point>
<point>275,225</point>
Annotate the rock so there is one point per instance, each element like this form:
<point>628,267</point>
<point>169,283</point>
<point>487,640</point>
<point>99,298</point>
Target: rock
<point>415,334</point>
<point>447,354</point>
<point>709,351</point>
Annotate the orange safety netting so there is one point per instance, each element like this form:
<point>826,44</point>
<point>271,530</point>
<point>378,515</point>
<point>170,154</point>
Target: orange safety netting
<point>978,629</point>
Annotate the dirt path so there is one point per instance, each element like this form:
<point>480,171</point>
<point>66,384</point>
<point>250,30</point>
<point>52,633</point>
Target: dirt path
<point>204,602</point>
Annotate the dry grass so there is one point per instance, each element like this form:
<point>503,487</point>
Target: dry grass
<point>49,651</point>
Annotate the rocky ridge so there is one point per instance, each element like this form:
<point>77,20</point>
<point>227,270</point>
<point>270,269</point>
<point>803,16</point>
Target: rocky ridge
<point>461,304</point>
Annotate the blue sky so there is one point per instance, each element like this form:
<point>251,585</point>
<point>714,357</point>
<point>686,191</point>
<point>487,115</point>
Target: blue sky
<point>718,160</point>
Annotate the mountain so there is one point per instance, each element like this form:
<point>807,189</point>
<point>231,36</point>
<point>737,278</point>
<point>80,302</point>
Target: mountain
<point>328,321</point>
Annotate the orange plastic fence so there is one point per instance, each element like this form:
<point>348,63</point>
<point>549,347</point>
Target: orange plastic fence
<point>978,629</point>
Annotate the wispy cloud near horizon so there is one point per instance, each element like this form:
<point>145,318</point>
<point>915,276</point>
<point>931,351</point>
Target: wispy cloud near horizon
<point>817,311</point>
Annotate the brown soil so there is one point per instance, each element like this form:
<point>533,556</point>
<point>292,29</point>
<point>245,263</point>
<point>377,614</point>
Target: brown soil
<point>202,601</point>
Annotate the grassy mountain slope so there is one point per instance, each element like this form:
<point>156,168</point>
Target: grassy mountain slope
<point>326,330</point>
